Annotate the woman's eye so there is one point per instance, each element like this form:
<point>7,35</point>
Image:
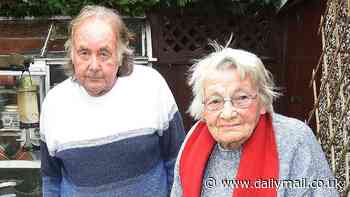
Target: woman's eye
<point>242,97</point>
<point>215,101</point>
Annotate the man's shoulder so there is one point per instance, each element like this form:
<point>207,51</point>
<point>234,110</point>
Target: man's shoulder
<point>145,76</point>
<point>146,72</point>
<point>61,89</point>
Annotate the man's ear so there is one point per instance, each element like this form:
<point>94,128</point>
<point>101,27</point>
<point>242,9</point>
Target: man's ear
<point>71,54</point>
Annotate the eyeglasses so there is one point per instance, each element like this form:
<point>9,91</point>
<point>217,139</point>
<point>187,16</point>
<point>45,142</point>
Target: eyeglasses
<point>241,101</point>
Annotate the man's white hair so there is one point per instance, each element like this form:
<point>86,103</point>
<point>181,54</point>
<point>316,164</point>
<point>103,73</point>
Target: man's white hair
<point>222,59</point>
<point>123,36</point>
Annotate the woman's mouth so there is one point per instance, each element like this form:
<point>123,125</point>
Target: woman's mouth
<point>229,126</point>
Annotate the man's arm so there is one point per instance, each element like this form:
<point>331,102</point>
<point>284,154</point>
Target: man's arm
<point>170,143</point>
<point>51,173</point>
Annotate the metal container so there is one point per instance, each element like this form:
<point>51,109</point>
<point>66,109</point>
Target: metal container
<point>27,101</point>
<point>10,117</point>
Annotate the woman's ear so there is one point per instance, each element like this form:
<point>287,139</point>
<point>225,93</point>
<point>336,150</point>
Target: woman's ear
<point>203,115</point>
<point>263,109</point>
<point>262,106</point>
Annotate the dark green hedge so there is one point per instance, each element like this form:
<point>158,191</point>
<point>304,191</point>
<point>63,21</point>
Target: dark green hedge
<point>44,8</point>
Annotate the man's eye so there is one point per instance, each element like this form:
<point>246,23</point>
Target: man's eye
<point>105,55</point>
<point>83,53</point>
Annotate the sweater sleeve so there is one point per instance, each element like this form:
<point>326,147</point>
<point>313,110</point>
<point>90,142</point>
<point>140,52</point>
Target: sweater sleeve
<point>172,130</point>
<point>170,143</point>
<point>309,163</point>
<point>51,173</point>
<point>50,165</point>
<point>176,190</point>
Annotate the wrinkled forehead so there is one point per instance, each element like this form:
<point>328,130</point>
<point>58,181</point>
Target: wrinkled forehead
<point>228,80</point>
<point>227,70</point>
<point>96,22</point>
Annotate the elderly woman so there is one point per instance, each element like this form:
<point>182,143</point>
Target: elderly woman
<point>240,147</point>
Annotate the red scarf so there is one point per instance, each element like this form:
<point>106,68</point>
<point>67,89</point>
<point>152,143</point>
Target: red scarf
<point>259,160</point>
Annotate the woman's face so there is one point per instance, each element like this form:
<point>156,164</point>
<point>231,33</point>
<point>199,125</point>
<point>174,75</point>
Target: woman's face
<point>94,55</point>
<point>231,123</point>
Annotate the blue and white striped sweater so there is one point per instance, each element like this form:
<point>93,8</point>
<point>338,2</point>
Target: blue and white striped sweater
<point>121,144</point>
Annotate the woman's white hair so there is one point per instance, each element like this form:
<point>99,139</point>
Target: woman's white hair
<point>224,58</point>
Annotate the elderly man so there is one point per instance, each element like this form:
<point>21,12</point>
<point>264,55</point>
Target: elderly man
<point>112,128</point>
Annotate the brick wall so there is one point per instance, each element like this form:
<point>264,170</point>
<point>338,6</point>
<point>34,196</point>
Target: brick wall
<point>27,36</point>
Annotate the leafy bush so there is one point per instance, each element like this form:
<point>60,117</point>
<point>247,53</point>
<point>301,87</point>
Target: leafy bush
<point>44,8</point>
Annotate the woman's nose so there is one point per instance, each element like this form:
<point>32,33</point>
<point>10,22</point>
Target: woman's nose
<point>228,111</point>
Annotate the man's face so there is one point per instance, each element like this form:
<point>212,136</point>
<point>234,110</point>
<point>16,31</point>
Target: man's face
<point>94,55</point>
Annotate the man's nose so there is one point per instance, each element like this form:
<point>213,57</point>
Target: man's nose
<point>94,63</point>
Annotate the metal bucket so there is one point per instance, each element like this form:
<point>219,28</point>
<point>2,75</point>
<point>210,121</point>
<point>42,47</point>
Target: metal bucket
<point>27,101</point>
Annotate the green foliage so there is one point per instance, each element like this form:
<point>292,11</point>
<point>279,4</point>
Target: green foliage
<point>20,8</point>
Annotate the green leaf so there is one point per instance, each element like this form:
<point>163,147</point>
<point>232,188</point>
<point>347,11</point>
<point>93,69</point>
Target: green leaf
<point>123,2</point>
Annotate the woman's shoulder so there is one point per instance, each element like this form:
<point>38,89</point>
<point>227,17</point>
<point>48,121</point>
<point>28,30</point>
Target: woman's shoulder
<point>291,130</point>
<point>288,123</point>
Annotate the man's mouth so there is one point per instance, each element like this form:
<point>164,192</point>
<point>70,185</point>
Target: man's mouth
<point>94,78</point>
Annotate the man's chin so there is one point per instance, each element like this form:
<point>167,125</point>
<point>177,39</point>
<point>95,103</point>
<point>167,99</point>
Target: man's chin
<point>95,91</point>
